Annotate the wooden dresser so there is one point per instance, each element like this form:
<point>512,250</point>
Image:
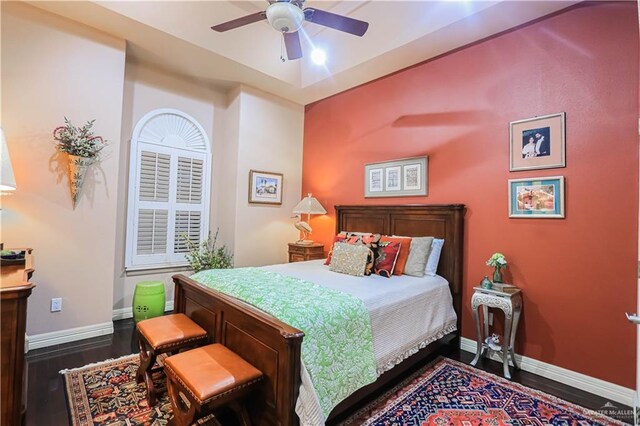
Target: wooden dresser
<point>15,288</point>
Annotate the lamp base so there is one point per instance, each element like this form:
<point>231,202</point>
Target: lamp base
<point>305,242</point>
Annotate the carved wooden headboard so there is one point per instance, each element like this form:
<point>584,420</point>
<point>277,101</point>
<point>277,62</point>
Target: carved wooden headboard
<point>416,220</point>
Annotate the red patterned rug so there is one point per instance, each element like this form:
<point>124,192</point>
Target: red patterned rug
<point>449,393</point>
<point>106,394</point>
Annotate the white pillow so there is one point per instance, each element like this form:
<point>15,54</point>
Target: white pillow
<point>434,257</point>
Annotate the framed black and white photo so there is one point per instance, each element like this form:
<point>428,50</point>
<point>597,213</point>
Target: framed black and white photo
<point>375,180</point>
<point>265,187</point>
<point>392,178</point>
<point>537,143</point>
<point>397,178</point>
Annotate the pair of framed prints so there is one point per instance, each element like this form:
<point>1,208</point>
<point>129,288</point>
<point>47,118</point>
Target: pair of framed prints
<point>537,143</point>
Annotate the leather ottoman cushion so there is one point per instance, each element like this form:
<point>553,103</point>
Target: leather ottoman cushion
<point>170,329</point>
<point>211,370</point>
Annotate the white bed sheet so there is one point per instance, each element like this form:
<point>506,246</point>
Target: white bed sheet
<point>407,313</point>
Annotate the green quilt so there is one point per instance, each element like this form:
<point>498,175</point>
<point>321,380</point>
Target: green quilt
<point>337,349</point>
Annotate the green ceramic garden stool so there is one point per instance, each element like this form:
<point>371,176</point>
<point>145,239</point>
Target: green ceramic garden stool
<point>148,300</point>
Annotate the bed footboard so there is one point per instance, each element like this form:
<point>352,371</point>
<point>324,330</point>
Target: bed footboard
<point>270,345</point>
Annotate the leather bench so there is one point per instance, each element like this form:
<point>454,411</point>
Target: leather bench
<point>166,334</point>
<point>209,378</point>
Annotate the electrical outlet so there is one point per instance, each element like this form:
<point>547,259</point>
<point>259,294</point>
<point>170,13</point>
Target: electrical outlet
<point>491,319</point>
<point>56,304</point>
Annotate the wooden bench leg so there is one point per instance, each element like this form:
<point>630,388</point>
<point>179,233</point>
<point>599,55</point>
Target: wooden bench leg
<point>182,415</point>
<point>241,411</point>
<point>147,360</point>
<point>144,361</point>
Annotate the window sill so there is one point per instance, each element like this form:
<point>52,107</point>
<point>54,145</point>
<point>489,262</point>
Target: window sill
<point>133,271</point>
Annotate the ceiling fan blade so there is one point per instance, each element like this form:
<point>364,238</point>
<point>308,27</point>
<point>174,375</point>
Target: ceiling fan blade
<point>337,22</point>
<point>292,43</point>
<point>235,23</point>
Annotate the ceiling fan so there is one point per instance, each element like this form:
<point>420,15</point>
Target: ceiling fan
<point>287,16</point>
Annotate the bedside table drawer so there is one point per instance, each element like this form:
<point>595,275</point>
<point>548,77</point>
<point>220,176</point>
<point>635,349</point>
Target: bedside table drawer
<point>301,252</point>
<point>296,249</point>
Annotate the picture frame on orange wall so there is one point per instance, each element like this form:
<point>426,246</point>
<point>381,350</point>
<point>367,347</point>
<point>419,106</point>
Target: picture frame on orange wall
<point>537,143</point>
<point>537,197</point>
<point>405,177</point>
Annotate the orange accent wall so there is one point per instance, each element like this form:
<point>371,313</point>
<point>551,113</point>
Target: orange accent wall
<point>579,273</point>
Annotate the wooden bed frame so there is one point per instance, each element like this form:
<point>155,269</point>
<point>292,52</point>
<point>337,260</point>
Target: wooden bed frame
<point>274,347</point>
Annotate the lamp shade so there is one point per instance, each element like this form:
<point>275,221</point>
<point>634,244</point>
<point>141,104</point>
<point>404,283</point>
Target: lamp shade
<point>309,205</point>
<point>7,180</point>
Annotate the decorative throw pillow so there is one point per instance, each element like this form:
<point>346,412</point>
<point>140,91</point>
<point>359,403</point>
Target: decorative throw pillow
<point>349,258</point>
<point>403,255</point>
<point>388,255</point>
<point>418,256</point>
<point>434,257</point>
<point>338,238</point>
<point>369,240</point>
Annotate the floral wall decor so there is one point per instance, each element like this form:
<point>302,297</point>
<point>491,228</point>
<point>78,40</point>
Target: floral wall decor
<point>83,149</point>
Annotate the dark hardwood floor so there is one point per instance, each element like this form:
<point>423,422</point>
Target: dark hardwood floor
<point>47,406</point>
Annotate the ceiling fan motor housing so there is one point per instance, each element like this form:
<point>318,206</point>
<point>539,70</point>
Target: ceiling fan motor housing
<point>285,17</point>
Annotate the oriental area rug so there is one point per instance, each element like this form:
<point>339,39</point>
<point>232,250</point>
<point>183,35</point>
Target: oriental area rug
<point>449,393</point>
<point>106,394</point>
<point>446,393</point>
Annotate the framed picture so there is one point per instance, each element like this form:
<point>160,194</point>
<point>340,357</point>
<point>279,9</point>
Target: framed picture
<point>397,178</point>
<point>375,180</point>
<point>537,197</point>
<point>265,187</point>
<point>537,143</point>
<point>392,178</point>
<point>411,174</point>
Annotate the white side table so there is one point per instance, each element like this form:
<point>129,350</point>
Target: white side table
<point>508,298</point>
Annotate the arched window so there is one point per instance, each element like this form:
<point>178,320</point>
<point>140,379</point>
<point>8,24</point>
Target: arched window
<point>169,187</point>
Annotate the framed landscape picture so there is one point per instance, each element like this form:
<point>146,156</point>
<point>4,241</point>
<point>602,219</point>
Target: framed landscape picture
<point>265,187</point>
<point>397,178</point>
<point>537,197</point>
<point>537,143</point>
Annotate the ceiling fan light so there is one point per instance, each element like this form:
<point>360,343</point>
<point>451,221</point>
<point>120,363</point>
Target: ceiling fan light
<point>285,17</point>
<point>318,56</point>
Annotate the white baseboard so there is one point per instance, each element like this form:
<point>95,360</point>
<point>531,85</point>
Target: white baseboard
<point>37,341</point>
<point>577,380</point>
<point>124,313</point>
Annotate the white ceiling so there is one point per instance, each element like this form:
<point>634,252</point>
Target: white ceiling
<point>176,36</point>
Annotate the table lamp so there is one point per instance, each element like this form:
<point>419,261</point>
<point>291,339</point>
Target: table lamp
<point>308,205</point>
<point>7,180</point>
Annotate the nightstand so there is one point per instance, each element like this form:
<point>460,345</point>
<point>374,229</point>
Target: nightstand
<point>508,298</point>
<point>302,252</point>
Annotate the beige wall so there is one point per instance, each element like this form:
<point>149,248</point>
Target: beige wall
<point>51,68</point>
<point>146,89</point>
<point>269,139</point>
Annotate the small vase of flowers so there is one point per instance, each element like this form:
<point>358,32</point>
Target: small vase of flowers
<point>82,147</point>
<point>497,261</point>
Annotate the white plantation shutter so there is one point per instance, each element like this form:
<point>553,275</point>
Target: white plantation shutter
<point>169,185</point>
<point>190,174</point>
<point>188,225</point>
<point>154,176</point>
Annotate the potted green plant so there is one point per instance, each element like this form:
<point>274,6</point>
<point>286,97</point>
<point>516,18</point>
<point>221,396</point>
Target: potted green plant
<point>82,147</point>
<point>206,255</point>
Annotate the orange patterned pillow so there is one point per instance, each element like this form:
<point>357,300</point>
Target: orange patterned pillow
<point>405,243</point>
